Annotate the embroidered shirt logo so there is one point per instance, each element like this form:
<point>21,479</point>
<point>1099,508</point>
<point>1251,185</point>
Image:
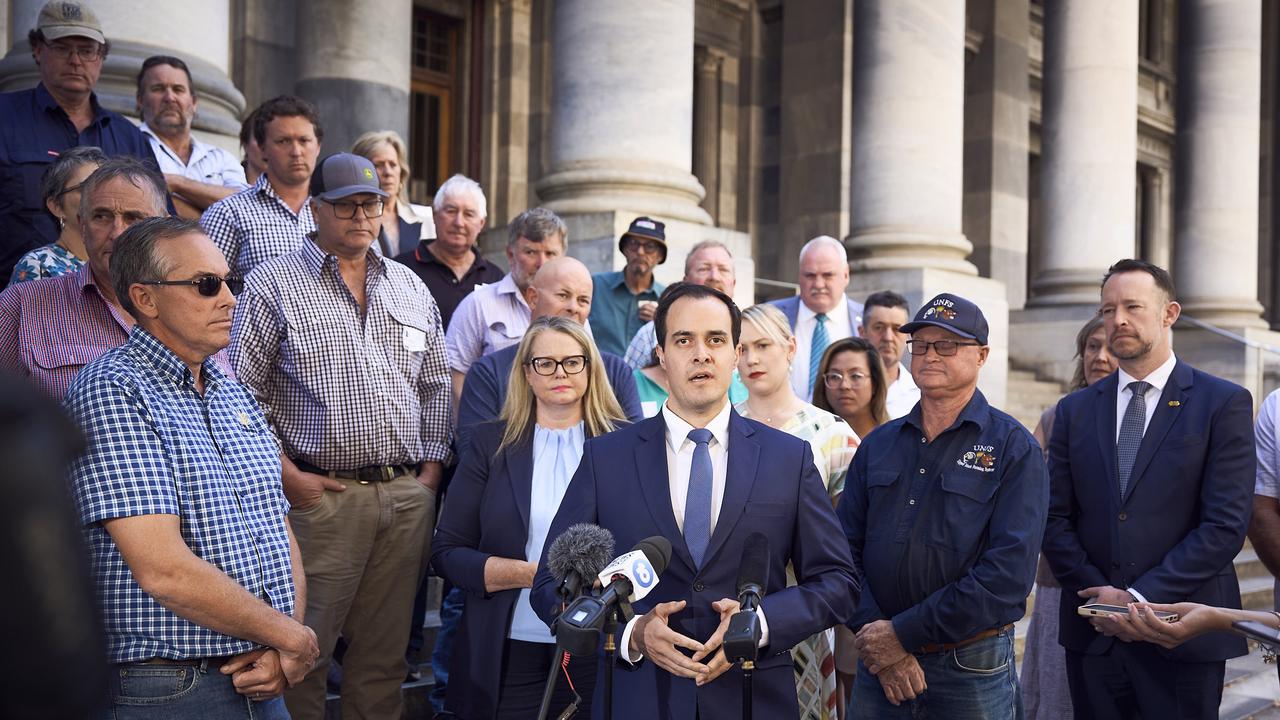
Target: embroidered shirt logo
<point>981,458</point>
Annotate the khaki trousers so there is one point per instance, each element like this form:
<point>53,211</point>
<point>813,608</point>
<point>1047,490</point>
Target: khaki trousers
<point>364,552</point>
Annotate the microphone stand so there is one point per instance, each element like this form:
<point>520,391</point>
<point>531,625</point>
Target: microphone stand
<point>622,612</point>
<point>748,667</point>
<point>554,673</point>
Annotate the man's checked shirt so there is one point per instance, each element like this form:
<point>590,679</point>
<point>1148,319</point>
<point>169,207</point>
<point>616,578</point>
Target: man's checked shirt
<point>156,446</point>
<point>255,225</point>
<point>342,390</point>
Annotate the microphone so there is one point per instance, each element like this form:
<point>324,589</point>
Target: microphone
<point>576,557</point>
<point>742,637</point>
<point>631,575</point>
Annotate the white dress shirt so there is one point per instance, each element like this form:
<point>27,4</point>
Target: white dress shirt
<point>208,164</point>
<point>903,394</point>
<point>839,326</point>
<point>679,462</point>
<point>1268,441</point>
<point>1158,378</point>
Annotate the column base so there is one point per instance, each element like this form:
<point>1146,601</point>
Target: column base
<point>895,247</point>
<point>1071,287</point>
<point>1231,360</point>
<point>651,189</point>
<point>1225,312</point>
<point>919,285</point>
<point>1044,338</point>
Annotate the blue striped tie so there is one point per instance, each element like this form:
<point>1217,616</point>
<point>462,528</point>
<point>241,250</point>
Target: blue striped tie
<point>1131,427</point>
<point>697,503</point>
<point>817,348</point>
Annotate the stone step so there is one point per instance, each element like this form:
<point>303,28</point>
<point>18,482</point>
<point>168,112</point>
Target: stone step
<point>1257,593</point>
<point>1248,565</point>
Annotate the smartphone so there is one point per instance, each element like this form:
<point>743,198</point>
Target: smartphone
<point>1257,631</point>
<point>1100,610</point>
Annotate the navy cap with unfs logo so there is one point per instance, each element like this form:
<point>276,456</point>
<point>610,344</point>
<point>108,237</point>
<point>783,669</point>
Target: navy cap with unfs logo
<point>343,175</point>
<point>650,229</point>
<point>953,313</point>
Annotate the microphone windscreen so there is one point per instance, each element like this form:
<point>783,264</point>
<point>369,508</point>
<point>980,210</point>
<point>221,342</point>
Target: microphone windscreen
<point>658,550</point>
<point>583,549</point>
<point>754,569</point>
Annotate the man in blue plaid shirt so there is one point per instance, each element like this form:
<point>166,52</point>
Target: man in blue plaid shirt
<point>193,559</point>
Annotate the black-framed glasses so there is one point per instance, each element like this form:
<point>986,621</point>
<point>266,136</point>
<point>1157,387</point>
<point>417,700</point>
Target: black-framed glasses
<point>833,380</point>
<point>944,348</point>
<point>652,247</point>
<point>346,209</point>
<point>206,285</point>
<point>68,190</point>
<point>571,365</point>
<point>85,53</point>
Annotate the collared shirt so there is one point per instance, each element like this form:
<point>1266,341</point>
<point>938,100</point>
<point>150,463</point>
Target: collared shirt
<point>342,390</point>
<point>640,351</point>
<point>33,130</point>
<point>902,395</point>
<point>615,311</point>
<point>490,318</point>
<point>446,287</point>
<point>945,534</point>
<point>839,326</point>
<point>46,261</point>
<point>208,164</point>
<point>556,454</point>
<point>51,328</point>
<point>1158,379</point>
<point>255,225</point>
<point>1268,442</point>
<point>159,447</point>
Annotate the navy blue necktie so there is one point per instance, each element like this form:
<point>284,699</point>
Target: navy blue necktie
<point>1131,427</point>
<point>697,502</point>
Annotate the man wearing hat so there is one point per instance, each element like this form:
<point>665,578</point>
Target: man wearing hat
<point>626,299</point>
<point>944,509</point>
<point>59,113</point>
<point>344,351</point>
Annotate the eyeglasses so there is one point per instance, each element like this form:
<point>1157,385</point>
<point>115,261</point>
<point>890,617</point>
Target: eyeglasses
<point>206,285</point>
<point>649,246</point>
<point>85,53</point>
<point>833,380</point>
<point>346,209</point>
<point>67,191</point>
<point>944,348</point>
<point>571,365</point>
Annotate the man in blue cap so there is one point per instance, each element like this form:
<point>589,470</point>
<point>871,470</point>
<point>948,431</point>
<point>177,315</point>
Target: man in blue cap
<point>344,350</point>
<point>944,510</point>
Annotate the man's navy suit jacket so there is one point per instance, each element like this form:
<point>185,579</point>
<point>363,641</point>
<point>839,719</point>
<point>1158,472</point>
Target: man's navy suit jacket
<point>772,487</point>
<point>1175,533</point>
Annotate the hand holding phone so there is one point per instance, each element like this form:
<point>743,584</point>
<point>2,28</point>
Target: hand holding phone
<point>1103,610</point>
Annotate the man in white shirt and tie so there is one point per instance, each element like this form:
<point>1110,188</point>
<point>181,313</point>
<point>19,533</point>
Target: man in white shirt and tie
<point>705,478</point>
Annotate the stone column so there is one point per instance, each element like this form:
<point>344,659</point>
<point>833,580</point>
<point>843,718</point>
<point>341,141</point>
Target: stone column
<point>706,125</point>
<point>354,65</point>
<point>1219,82</point>
<point>198,33</point>
<point>1089,141</point>
<point>906,184</point>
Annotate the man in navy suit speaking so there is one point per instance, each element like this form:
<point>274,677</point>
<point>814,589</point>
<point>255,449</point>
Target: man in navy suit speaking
<point>705,478</point>
<point>1151,474</point>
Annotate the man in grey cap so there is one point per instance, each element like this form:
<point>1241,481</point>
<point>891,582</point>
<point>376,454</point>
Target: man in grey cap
<point>344,350</point>
<point>60,112</point>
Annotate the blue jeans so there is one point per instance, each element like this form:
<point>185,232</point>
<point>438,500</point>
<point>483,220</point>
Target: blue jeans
<point>450,614</point>
<point>976,682</point>
<point>141,691</point>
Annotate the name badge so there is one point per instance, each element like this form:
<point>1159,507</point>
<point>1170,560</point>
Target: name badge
<point>415,340</point>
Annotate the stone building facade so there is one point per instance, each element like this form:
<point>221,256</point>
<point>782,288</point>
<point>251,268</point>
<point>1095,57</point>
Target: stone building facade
<point>1008,150</point>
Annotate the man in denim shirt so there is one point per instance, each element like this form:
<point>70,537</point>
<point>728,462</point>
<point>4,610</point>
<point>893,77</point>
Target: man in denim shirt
<point>944,510</point>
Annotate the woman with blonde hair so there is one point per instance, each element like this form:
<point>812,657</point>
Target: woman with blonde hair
<point>501,502</point>
<point>767,350</point>
<point>413,223</point>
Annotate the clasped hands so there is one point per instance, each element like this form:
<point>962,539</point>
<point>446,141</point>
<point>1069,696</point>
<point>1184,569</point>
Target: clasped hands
<point>900,675</point>
<point>264,673</point>
<point>653,637</point>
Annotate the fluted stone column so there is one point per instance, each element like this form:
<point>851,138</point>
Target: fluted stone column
<point>907,168</point>
<point>354,65</point>
<point>198,33</point>
<point>706,125</point>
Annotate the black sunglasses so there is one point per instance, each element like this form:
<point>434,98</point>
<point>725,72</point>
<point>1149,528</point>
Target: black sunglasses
<point>206,285</point>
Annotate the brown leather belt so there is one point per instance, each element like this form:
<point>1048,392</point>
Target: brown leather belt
<point>944,647</point>
<point>372,473</point>
<point>189,662</point>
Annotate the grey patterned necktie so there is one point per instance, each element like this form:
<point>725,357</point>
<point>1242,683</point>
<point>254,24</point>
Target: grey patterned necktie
<point>1131,427</point>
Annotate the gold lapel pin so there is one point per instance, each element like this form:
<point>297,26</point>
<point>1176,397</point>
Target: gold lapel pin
<point>1174,403</point>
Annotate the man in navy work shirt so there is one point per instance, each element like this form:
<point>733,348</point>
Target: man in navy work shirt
<point>194,563</point>
<point>944,510</point>
<point>60,112</point>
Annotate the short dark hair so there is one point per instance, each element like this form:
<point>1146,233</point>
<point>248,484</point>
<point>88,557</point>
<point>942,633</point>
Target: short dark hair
<point>35,36</point>
<point>54,181</point>
<point>246,127</point>
<point>885,299</point>
<point>133,256</point>
<point>1163,280</point>
<point>677,291</point>
<point>284,106</point>
<point>170,60</point>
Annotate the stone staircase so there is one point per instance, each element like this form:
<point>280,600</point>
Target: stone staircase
<point>1029,395</point>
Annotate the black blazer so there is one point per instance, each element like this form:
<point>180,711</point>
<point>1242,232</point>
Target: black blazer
<point>1175,533</point>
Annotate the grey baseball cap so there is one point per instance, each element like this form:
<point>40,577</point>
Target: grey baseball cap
<point>69,19</point>
<point>342,175</point>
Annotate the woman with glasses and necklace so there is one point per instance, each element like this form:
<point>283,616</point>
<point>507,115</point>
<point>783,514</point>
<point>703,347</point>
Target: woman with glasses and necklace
<point>767,349</point>
<point>60,186</point>
<point>501,502</point>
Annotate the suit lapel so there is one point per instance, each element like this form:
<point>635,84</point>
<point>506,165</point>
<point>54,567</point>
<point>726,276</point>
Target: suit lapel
<point>519,459</point>
<point>651,473</point>
<point>740,477</point>
<point>1162,421</point>
<point>791,308</point>
<point>1105,410</point>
